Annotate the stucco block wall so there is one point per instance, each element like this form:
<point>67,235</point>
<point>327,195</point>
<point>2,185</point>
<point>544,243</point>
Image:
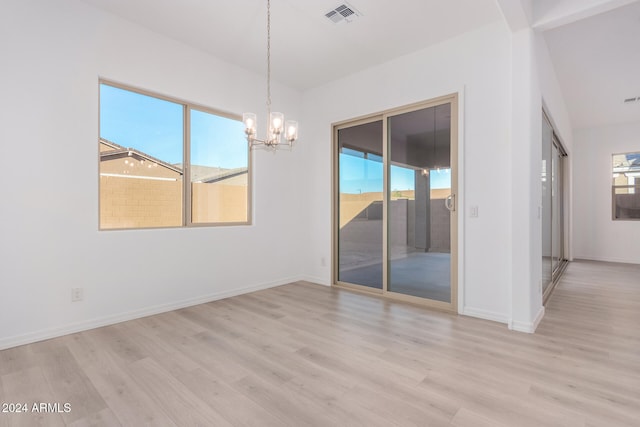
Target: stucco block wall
<point>440,227</point>
<point>136,203</point>
<point>142,203</point>
<point>214,202</point>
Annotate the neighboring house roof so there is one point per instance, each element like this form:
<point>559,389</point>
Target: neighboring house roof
<point>204,174</point>
<point>118,151</point>
<point>209,174</point>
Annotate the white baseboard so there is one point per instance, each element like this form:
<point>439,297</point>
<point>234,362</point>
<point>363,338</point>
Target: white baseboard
<point>528,327</point>
<point>485,314</point>
<point>71,328</point>
<point>605,259</point>
<point>316,280</point>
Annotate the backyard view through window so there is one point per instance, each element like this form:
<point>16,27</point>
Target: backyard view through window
<point>395,203</point>
<point>626,186</point>
<point>143,143</point>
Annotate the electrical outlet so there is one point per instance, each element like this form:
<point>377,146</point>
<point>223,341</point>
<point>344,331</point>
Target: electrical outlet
<point>323,262</point>
<point>473,212</point>
<point>77,294</point>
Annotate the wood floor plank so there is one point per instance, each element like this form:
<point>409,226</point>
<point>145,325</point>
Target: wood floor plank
<point>109,374</point>
<point>235,407</point>
<point>466,418</point>
<point>29,387</point>
<point>280,402</point>
<point>4,419</point>
<point>494,403</point>
<point>395,407</point>
<point>104,418</point>
<point>294,408</point>
<point>17,359</point>
<point>68,381</point>
<point>175,399</point>
<point>303,354</point>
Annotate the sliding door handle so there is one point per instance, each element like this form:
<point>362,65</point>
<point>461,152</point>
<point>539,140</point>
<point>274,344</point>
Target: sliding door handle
<point>450,202</point>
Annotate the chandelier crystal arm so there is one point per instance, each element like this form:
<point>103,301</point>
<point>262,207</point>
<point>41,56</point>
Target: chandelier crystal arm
<point>276,126</point>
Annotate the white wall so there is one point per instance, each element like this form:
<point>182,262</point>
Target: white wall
<point>553,13</point>
<point>553,99</point>
<point>525,260</point>
<point>478,65</point>
<point>555,106</point>
<point>52,56</point>
<point>596,235</point>
<point>534,85</point>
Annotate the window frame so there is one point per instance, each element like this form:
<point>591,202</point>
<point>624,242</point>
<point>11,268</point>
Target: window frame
<point>187,202</point>
<point>635,186</point>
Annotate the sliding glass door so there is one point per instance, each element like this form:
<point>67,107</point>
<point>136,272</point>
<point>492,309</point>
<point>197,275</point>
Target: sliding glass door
<point>419,193</point>
<point>396,219</point>
<point>547,263</point>
<point>360,204</point>
<point>557,233</point>
<point>553,232</point>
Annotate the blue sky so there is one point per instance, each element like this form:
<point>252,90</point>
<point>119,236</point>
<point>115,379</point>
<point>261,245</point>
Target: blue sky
<point>359,175</point>
<point>155,127</point>
<point>217,141</point>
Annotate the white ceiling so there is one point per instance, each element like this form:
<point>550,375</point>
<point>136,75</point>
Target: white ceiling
<point>594,44</point>
<point>307,48</point>
<point>597,62</point>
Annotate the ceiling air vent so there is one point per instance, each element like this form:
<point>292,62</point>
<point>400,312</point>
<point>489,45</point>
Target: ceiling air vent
<point>343,13</point>
<point>628,100</point>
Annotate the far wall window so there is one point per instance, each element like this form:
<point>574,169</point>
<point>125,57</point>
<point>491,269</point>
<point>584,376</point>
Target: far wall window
<point>144,140</point>
<point>625,191</point>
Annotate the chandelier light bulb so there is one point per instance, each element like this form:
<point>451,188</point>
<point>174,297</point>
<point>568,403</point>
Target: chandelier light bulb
<point>276,122</point>
<point>249,120</point>
<point>291,133</point>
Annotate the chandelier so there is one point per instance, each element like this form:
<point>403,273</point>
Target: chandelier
<point>277,126</point>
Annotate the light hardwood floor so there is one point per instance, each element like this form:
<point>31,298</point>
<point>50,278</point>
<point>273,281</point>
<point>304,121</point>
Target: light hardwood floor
<point>304,354</point>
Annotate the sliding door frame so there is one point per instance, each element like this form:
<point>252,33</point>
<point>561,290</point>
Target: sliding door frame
<point>557,270</point>
<point>453,100</point>
<point>335,202</point>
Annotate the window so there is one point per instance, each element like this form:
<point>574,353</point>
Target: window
<point>144,141</point>
<point>625,191</point>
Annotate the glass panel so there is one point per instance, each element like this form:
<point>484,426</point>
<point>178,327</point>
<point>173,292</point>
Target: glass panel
<point>419,222</point>
<point>360,205</point>
<point>556,208</point>
<point>219,169</point>
<point>626,186</point>
<point>547,142</point>
<point>626,202</point>
<point>140,160</point>
<point>626,168</point>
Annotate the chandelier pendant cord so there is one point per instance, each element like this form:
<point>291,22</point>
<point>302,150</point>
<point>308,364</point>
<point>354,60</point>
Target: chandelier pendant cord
<point>268,58</point>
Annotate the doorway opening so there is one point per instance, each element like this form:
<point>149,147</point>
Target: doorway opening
<point>395,216</point>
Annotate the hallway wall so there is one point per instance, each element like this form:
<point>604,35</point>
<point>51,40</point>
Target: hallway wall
<point>596,235</point>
